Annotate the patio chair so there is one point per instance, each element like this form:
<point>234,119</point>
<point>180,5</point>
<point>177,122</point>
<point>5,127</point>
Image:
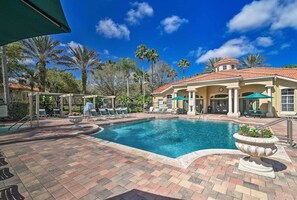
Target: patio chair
<point>112,113</point>
<point>42,113</point>
<point>125,112</point>
<point>104,113</point>
<point>56,112</point>
<point>94,115</point>
<point>151,109</point>
<point>119,113</point>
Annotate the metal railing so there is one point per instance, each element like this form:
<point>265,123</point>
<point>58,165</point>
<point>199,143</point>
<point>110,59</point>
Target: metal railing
<point>22,121</point>
<point>289,136</point>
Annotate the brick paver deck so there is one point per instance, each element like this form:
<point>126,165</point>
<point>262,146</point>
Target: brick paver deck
<point>77,168</point>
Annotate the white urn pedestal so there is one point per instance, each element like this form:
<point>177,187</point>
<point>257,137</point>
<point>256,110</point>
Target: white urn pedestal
<point>75,120</point>
<point>256,148</point>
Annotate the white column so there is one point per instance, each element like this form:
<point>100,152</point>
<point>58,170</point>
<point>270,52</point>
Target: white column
<point>191,105</point>
<point>230,110</point>
<point>61,105</point>
<point>69,104</point>
<point>37,107</point>
<point>236,102</point>
<point>269,92</point>
<point>175,102</point>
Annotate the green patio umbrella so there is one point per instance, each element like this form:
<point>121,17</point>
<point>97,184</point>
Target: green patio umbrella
<point>21,19</point>
<point>257,95</point>
<point>180,98</point>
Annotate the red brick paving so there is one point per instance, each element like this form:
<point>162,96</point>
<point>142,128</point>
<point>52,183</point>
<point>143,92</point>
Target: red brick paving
<point>75,168</point>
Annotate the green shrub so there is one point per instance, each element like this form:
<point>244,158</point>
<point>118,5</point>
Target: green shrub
<point>266,133</point>
<point>18,110</point>
<point>251,131</point>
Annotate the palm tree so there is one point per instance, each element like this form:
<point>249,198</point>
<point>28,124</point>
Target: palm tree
<point>42,50</point>
<point>152,55</point>
<point>138,77</point>
<point>83,59</point>
<point>209,66</point>
<point>128,66</point>
<point>141,54</point>
<point>183,64</point>
<point>252,61</point>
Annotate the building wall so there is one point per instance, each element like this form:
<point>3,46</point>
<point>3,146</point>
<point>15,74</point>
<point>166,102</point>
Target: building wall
<point>228,67</point>
<point>256,85</point>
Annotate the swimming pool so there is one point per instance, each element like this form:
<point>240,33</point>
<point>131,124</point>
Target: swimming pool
<point>172,138</point>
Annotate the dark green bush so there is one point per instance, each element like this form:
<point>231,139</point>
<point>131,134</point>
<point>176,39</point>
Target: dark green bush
<point>18,110</point>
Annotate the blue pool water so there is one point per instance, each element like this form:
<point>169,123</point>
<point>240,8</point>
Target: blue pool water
<point>172,138</point>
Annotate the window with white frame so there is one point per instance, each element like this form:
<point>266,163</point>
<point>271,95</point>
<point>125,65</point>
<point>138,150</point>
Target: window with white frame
<point>287,99</point>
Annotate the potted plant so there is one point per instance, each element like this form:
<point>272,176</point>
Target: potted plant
<point>257,143</point>
<point>75,118</point>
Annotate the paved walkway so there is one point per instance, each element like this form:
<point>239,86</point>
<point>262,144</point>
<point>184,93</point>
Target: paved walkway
<point>77,168</point>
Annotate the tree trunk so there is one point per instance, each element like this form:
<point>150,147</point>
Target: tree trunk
<point>153,75</point>
<point>84,80</point>
<point>42,75</point>
<point>143,98</point>
<point>128,92</point>
<point>5,77</point>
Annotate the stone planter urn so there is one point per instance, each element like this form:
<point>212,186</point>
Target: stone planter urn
<point>75,120</point>
<point>256,148</point>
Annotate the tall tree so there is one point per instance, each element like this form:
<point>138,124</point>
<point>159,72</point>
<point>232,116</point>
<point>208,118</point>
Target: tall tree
<point>183,64</point>
<point>209,66</point>
<point>289,66</point>
<point>140,77</point>
<point>128,66</point>
<point>166,74</point>
<point>43,50</point>
<point>152,55</point>
<point>141,54</point>
<point>108,80</point>
<point>252,61</point>
<point>82,59</point>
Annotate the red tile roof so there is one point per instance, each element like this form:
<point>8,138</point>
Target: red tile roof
<point>241,74</point>
<point>227,61</point>
<point>19,86</point>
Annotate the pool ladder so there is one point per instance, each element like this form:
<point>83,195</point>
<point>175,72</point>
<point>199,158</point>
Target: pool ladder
<point>22,121</point>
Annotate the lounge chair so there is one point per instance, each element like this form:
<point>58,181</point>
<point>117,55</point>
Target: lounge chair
<point>125,112</point>
<point>56,112</point>
<point>112,113</point>
<point>95,116</point>
<point>151,109</point>
<point>42,113</point>
<point>119,113</point>
<point>104,113</point>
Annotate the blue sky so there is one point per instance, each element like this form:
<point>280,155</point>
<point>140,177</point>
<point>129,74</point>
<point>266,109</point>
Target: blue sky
<point>196,30</point>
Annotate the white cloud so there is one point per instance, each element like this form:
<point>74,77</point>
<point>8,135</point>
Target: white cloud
<point>63,45</point>
<point>254,15</point>
<point>74,45</point>
<point>196,53</point>
<point>110,29</point>
<point>287,15</point>
<point>233,48</point>
<point>142,9</point>
<point>286,45</point>
<point>275,14</point>
<point>264,41</point>
<point>173,23</point>
<point>105,52</point>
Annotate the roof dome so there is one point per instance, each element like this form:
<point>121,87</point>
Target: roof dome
<point>227,61</point>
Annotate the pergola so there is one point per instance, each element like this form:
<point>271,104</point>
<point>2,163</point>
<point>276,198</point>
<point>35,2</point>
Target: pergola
<point>62,96</point>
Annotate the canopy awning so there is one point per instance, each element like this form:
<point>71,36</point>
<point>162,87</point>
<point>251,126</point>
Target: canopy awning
<point>257,95</point>
<point>180,98</point>
<point>21,19</point>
